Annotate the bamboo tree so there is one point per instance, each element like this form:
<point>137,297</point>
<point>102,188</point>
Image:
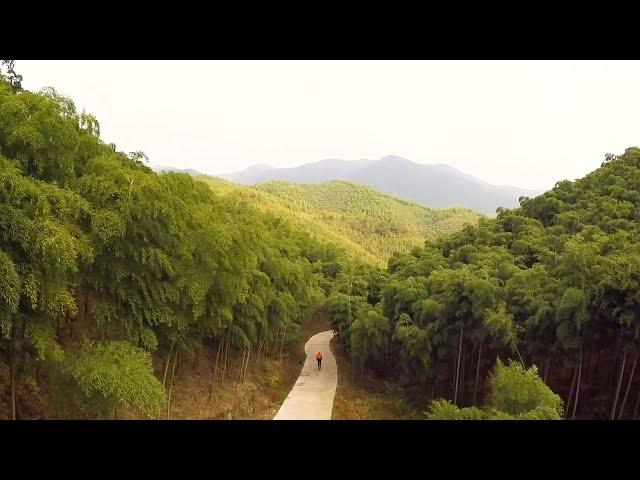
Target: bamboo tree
<point>166,364</point>
<point>12,374</point>
<point>215,367</point>
<point>455,394</point>
<point>475,390</point>
<point>615,398</point>
<point>575,403</point>
<point>173,369</point>
<point>571,391</point>
<point>283,337</point>
<point>626,393</point>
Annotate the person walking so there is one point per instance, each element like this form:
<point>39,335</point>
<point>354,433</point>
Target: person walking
<point>319,359</point>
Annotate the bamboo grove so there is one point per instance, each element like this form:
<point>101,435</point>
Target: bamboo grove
<point>552,285</point>
<point>108,269</point>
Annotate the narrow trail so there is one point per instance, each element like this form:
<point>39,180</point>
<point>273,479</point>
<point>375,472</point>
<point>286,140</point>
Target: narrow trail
<point>311,398</point>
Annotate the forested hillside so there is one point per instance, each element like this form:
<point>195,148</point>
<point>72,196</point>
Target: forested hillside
<point>553,285</point>
<point>380,223</point>
<point>305,221</point>
<point>111,274</point>
<point>368,225</point>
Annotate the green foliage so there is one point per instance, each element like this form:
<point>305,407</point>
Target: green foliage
<point>516,394</point>
<point>369,333</point>
<point>381,224</point>
<point>501,328</point>
<point>42,337</point>
<point>522,394</point>
<point>441,409</point>
<point>116,374</point>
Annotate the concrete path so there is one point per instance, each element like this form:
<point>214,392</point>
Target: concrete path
<point>311,398</point>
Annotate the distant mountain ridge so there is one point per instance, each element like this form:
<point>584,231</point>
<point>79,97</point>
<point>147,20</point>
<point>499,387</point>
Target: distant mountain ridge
<point>435,186</point>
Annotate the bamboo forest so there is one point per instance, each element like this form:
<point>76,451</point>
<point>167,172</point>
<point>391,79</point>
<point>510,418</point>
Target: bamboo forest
<point>129,293</point>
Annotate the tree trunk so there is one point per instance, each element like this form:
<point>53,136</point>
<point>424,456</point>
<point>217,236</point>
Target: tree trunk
<point>353,365</point>
<point>215,368</point>
<point>164,377</point>
<point>173,371</point>
<point>568,404</point>
<point>241,363</point>
<point>455,393</point>
<point>275,342</point>
<point>475,391</point>
<point>196,361</point>
<point>12,374</point>
<point>166,366</point>
<point>575,403</point>
<point>260,344</point>
<point>612,380</point>
<point>626,393</point>
<point>246,366</point>
<point>225,363</point>
<point>178,364</point>
<point>520,357</point>
<point>463,370</point>
<point>615,398</point>
<point>282,344</point>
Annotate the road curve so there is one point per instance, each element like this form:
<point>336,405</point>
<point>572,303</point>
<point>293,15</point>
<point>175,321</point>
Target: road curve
<point>311,398</point>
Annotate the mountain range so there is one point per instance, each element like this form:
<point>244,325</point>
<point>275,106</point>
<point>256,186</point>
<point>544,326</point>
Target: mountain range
<point>435,186</point>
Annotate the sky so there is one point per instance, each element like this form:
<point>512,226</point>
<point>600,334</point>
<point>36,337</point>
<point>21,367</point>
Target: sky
<point>521,123</point>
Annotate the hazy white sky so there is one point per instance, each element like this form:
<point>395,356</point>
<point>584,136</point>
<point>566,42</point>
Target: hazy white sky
<point>521,123</point>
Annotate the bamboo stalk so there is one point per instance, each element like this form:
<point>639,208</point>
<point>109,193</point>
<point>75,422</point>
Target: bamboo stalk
<point>455,393</point>
<point>173,371</point>
<point>573,382</point>
<point>215,368</point>
<point>166,365</point>
<point>615,399</point>
<point>626,393</point>
<point>575,403</point>
<point>12,374</point>
<point>246,366</point>
<point>475,392</point>
<point>283,337</point>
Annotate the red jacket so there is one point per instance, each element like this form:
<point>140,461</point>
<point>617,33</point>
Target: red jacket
<point>318,356</point>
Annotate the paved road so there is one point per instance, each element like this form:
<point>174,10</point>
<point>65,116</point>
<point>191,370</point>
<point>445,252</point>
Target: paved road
<point>311,398</point>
